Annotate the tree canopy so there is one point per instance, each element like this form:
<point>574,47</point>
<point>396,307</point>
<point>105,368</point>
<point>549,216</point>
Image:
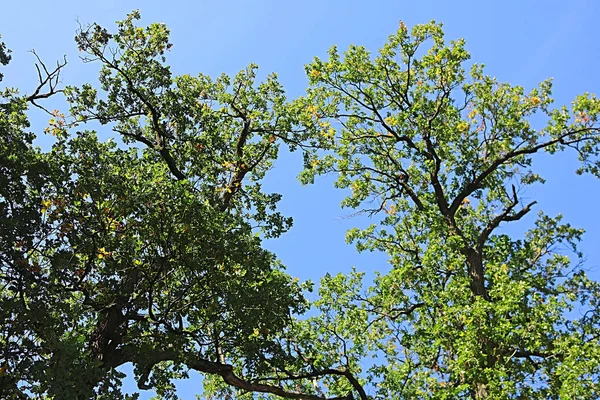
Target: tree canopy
<point>147,248</point>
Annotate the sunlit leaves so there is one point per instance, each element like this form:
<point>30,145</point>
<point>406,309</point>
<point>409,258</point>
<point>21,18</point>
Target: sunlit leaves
<point>440,158</point>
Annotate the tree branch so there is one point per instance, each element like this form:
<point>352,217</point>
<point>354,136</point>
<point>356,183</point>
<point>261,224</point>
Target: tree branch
<point>49,79</point>
<point>160,144</point>
<point>504,216</point>
<point>477,182</point>
<point>226,372</point>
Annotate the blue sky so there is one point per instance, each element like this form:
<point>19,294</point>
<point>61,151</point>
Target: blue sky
<point>520,41</point>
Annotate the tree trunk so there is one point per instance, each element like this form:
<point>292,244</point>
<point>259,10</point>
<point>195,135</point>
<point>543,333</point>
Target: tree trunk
<point>475,266</point>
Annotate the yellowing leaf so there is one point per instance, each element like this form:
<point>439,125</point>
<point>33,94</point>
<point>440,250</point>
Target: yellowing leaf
<point>311,109</point>
<point>102,253</point>
<point>463,126</point>
<point>45,205</point>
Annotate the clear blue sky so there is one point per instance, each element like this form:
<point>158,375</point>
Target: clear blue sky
<point>520,41</point>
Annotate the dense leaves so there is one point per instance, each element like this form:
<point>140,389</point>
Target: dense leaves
<point>440,158</point>
<point>115,254</point>
<point>145,248</point>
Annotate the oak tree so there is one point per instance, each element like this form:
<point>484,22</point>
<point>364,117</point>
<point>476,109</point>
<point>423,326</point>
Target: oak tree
<point>146,248</point>
<point>440,156</point>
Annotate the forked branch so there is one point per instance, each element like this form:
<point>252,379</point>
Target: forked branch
<point>48,81</point>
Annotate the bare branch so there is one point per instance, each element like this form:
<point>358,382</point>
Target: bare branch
<point>48,81</point>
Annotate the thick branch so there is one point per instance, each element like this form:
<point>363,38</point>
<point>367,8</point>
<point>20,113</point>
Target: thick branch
<point>440,197</point>
<point>476,273</point>
<point>226,372</point>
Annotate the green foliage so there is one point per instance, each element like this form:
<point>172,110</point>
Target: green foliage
<point>439,157</point>
<point>4,56</point>
<point>146,248</point>
<point>115,254</point>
